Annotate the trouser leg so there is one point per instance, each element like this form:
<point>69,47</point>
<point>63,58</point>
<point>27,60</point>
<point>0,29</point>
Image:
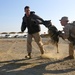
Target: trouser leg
<point>71,51</point>
<point>38,40</point>
<point>29,46</point>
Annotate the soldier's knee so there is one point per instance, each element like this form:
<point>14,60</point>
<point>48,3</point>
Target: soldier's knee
<point>40,43</point>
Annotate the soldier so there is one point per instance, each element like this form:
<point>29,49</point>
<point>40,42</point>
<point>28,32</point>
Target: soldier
<point>31,21</point>
<point>68,35</point>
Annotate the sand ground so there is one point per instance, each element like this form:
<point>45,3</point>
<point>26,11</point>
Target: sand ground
<point>12,61</point>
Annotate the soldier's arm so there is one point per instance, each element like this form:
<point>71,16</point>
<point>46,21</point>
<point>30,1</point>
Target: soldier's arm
<point>65,35</point>
<point>38,19</point>
<point>23,26</point>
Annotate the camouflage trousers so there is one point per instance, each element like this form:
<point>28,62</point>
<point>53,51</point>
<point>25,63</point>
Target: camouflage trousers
<point>71,49</point>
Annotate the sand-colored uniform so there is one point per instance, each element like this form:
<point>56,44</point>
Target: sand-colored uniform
<point>67,33</point>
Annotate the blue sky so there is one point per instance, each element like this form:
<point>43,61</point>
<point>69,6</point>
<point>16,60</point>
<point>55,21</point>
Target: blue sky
<point>11,12</point>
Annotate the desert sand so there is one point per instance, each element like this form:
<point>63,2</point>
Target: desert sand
<point>13,62</point>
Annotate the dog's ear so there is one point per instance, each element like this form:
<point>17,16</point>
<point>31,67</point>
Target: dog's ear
<point>47,23</point>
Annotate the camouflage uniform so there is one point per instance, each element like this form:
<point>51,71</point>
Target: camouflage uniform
<point>67,35</point>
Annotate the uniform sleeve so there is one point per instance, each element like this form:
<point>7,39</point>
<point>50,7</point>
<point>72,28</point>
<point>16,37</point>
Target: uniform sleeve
<point>23,26</point>
<point>38,19</point>
<point>66,30</point>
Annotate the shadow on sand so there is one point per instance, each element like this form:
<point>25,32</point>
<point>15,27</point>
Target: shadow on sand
<point>14,67</point>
